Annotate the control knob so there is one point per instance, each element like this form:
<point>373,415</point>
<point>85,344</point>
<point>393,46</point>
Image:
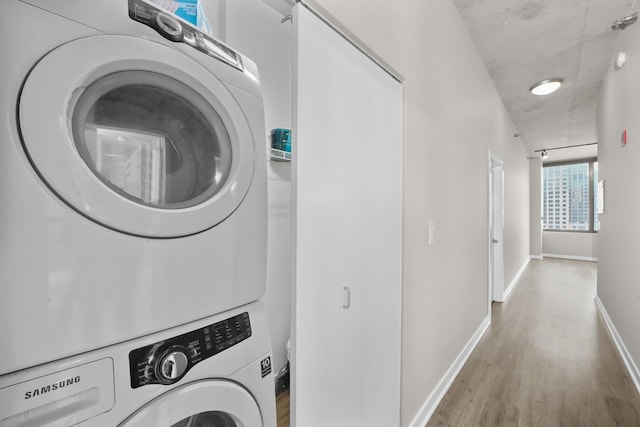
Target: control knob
<point>172,365</point>
<point>168,26</point>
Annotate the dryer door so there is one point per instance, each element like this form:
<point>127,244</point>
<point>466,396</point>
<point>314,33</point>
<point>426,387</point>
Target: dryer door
<point>207,403</point>
<point>136,136</point>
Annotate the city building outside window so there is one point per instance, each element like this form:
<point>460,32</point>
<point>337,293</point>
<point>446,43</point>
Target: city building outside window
<point>569,196</point>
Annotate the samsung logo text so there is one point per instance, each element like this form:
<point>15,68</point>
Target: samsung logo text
<point>52,387</point>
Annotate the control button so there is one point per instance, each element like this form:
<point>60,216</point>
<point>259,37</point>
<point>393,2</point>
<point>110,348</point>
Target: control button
<point>168,26</point>
<point>172,365</point>
<point>190,38</point>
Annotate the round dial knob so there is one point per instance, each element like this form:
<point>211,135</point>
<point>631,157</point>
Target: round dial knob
<point>172,365</point>
<point>168,26</point>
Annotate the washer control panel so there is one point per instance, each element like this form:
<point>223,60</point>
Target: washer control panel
<point>178,30</point>
<point>167,361</point>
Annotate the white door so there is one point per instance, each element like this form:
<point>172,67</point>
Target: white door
<point>136,136</point>
<point>347,207</point>
<point>207,403</point>
<point>497,230</point>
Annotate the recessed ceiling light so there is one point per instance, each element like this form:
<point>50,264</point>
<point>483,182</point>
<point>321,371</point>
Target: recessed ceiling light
<point>546,87</point>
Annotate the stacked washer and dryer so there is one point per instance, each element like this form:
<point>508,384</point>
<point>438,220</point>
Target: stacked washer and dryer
<point>133,221</point>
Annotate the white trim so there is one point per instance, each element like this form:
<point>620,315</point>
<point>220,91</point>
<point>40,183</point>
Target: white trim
<point>535,257</point>
<point>490,267</point>
<point>617,339</point>
<point>493,293</point>
<point>432,402</point>
<point>516,279</point>
<point>575,257</point>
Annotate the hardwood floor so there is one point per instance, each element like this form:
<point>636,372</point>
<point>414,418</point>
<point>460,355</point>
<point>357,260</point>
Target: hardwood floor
<point>282,409</point>
<point>547,359</point>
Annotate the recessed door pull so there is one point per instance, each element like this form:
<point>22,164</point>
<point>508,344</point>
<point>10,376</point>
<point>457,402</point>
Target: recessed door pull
<point>346,302</point>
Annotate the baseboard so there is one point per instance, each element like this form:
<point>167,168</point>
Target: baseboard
<point>617,339</point>
<point>577,258</point>
<point>535,256</point>
<point>515,280</point>
<point>428,408</point>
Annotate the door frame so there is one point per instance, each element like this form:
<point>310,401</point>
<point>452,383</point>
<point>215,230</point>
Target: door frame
<point>495,294</point>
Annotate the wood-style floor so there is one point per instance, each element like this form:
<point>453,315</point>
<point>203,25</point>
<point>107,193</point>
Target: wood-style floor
<point>546,360</point>
<point>282,409</point>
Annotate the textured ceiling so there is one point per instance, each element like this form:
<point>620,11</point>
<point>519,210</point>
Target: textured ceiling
<point>525,41</point>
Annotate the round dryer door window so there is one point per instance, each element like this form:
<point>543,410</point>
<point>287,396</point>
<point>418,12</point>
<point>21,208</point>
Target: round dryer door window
<point>207,419</point>
<point>206,403</point>
<point>152,139</point>
<point>137,136</point>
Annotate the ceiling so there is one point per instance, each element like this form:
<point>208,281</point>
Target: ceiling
<point>525,41</point>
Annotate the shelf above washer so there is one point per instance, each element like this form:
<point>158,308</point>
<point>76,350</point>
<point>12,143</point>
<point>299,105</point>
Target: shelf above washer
<point>279,155</point>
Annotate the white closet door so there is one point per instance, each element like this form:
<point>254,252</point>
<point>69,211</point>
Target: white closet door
<point>381,153</point>
<point>347,191</point>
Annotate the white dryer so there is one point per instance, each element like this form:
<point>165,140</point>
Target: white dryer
<point>133,177</point>
<point>211,373</point>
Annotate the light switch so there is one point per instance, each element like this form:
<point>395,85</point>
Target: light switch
<point>431,235</point>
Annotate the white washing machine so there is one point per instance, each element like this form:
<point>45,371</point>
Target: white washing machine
<point>133,177</point>
<point>212,373</point>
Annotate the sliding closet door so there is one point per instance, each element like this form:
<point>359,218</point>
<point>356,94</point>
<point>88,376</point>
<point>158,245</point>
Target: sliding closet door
<point>347,207</point>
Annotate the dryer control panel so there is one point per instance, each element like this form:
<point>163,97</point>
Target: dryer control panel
<point>167,361</point>
<point>178,30</point>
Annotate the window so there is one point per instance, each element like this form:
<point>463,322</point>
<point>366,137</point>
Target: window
<point>569,196</point>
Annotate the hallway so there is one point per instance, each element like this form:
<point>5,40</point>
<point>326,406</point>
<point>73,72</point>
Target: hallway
<point>546,360</point>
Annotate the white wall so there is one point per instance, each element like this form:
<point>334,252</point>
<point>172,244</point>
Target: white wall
<point>453,116</point>
<point>282,6</point>
<point>570,245</point>
<point>516,202</point>
<point>535,212</point>
<point>619,235</point>
<point>253,28</point>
